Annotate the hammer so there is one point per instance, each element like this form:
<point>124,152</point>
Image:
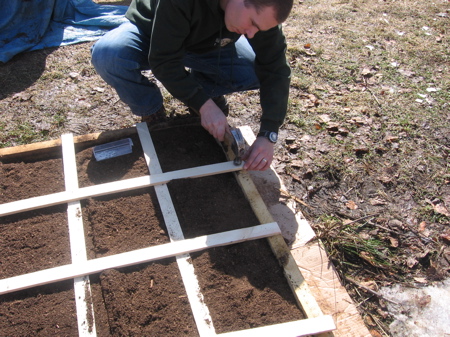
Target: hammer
<point>237,143</point>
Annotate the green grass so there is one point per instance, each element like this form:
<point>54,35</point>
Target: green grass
<point>22,134</point>
<point>346,245</point>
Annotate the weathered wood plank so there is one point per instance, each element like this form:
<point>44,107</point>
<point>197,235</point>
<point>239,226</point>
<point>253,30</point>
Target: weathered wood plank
<point>52,148</point>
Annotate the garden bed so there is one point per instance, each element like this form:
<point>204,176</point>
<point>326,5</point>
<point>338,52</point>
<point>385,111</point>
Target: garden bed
<point>243,284</point>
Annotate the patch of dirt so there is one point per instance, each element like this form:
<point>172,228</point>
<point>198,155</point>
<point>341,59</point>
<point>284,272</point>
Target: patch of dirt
<point>243,284</point>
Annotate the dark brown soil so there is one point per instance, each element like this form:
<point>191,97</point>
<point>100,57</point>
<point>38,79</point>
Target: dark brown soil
<point>243,284</point>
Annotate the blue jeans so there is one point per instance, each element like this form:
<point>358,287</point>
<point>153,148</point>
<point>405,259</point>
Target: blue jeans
<point>120,56</point>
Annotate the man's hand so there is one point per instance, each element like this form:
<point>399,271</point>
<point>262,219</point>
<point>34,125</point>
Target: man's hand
<point>213,120</point>
<point>259,156</point>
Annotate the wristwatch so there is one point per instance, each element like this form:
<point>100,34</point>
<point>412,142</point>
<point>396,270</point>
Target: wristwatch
<point>270,135</point>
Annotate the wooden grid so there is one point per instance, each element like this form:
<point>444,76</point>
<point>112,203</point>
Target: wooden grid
<point>178,247</point>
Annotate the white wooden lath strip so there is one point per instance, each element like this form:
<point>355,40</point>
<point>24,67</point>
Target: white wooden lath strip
<point>82,287</point>
<point>114,187</point>
<point>136,256</point>
<point>304,327</point>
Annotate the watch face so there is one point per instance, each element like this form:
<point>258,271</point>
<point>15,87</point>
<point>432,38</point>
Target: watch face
<point>273,137</point>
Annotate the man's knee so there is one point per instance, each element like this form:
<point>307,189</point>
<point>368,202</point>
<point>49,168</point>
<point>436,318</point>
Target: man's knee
<point>102,54</point>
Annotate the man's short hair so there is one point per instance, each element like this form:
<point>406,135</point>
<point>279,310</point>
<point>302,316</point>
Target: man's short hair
<point>282,7</point>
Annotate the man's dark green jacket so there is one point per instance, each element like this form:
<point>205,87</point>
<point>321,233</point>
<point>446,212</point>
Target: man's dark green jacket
<point>175,27</point>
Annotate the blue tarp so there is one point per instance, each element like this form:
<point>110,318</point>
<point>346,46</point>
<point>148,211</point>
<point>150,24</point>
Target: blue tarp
<point>27,25</point>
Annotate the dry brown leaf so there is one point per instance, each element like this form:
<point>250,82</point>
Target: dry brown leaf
<point>312,97</point>
<point>420,280</point>
<point>22,96</point>
<point>385,179</point>
<point>289,140</point>
<point>74,75</point>
<point>324,118</point>
<point>370,321</point>
<point>391,139</point>
<point>394,242</point>
<point>351,205</point>
<point>293,148</point>
<point>364,236</point>
<point>99,89</point>
<point>343,131</point>
<point>323,148</point>
<point>333,126</point>
<point>377,201</point>
<point>366,72</point>
<point>370,284</point>
<point>395,224</point>
<point>441,209</point>
<point>305,138</point>
<point>422,226</point>
<point>411,261</point>
<point>368,257</point>
<point>375,333</point>
<point>406,73</point>
<point>295,177</point>
<point>446,198</point>
<point>297,163</point>
<point>361,149</point>
<point>423,301</point>
<point>358,121</point>
<point>442,15</point>
<point>445,237</point>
